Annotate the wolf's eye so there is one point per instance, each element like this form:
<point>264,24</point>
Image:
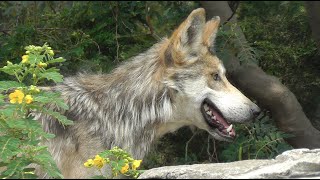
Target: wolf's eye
<point>216,77</point>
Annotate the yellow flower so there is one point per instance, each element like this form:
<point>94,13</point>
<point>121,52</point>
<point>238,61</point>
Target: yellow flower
<point>99,161</point>
<point>16,97</point>
<point>41,64</point>
<point>25,58</point>
<point>51,52</point>
<point>136,164</point>
<point>27,52</point>
<point>28,99</point>
<point>34,88</point>
<point>9,63</point>
<point>89,163</point>
<point>124,168</point>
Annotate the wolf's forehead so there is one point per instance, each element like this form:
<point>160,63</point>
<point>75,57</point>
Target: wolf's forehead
<point>213,63</point>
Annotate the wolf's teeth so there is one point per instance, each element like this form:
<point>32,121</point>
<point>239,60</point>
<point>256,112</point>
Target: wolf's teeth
<point>214,117</point>
<point>229,128</point>
<point>209,113</point>
<point>206,107</point>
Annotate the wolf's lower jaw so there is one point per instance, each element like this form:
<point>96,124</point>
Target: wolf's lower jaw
<point>218,136</point>
<point>215,120</point>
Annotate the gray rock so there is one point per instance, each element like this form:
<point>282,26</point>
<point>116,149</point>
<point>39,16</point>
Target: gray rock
<point>297,163</point>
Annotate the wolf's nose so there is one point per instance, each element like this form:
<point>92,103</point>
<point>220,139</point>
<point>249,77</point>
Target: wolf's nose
<point>255,111</point>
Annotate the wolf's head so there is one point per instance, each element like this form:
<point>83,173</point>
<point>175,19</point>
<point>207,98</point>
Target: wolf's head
<point>203,95</point>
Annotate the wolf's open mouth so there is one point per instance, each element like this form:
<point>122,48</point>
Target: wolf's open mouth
<point>215,119</point>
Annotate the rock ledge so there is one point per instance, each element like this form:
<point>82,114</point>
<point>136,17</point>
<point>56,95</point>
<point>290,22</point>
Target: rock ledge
<point>297,163</point>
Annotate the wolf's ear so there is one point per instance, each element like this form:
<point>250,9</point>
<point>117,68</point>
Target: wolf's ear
<point>210,32</point>
<point>187,39</point>
<point>188,35</point>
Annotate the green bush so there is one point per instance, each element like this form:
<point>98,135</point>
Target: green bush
<point>20,133</point>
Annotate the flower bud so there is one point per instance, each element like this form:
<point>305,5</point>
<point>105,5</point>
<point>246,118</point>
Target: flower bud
<point>41,64</point>
<point>51,53</point>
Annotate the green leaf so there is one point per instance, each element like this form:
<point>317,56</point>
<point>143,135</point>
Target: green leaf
<point>16,123</point>
<point>8,147</point>
<point>62,119</point>
<point>78,51</point>
<point>46,97</point>
<point>49,136</point>
<point>43,99</point>
<point>35,59</point>
<point>41,148</point>
<point>49,97</point>
<point>1,99</point>
<point>10,110</point>
<point>5,85</point>
<point>55,76</point>
<point>12,69</point>
<point>16,166</point>
<point>121,163</point>
<point>60,102</point>
<point>46,161</point>
<point>2,164</point>
<point>57,60</point>
<point>105,153</point>
<point>240,153</point>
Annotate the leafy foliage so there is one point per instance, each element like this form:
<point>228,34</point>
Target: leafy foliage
<point>119,161</point>
<point>20,133</point>
<point>93,36</point>
<point>258,140</point>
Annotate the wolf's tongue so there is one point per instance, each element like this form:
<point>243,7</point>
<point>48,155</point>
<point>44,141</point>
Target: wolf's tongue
<point>223,122</point>
<point>220,118</point>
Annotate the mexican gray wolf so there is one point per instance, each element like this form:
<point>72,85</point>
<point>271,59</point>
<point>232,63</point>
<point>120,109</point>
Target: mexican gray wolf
<point>177,82</point>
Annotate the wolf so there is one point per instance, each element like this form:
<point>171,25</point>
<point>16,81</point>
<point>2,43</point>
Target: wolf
<point>178,82</point>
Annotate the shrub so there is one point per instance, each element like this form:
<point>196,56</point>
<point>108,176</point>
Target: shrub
<point>20,133</point>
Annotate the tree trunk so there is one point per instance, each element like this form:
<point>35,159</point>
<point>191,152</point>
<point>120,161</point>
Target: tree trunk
<point>282,103</point>
<point>313,9</point>
<point>266,89</point>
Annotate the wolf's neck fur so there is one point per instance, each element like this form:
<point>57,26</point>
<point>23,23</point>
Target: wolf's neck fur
<point>124,108</point>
